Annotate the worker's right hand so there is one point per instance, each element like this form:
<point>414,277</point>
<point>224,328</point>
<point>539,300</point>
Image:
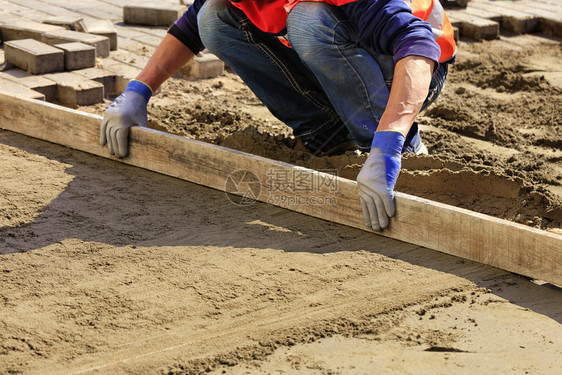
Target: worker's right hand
<point>377,178</point>
<point>128,109</point>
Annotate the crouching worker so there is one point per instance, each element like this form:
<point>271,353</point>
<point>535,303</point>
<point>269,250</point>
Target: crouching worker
<point>340,73</point>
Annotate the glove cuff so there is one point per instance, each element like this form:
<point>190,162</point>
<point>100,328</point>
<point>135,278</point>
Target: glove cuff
<point>390,142</point>
<point>388,145</point>
<point>140,87</point>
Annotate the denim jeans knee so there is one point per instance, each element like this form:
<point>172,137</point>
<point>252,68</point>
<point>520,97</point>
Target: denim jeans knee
<point>355,79</point>
<point>274,72</point>
<point>213,19</point>
<point>325,82</point>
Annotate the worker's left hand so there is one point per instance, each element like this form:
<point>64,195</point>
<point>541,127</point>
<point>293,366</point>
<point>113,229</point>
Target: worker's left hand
<point>377,178</point>
<point>128,109</point>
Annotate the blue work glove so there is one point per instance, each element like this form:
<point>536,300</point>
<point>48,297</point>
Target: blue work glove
<point>378,176</point>
<point>127,110</point>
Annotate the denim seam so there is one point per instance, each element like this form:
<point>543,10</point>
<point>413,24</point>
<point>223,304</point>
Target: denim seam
<point>334,118</point>
<point>365,91</point>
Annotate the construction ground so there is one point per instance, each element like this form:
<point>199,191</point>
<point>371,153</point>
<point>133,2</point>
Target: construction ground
<point>106,268</point>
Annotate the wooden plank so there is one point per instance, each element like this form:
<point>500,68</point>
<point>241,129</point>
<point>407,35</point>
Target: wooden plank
<point>499,243</point>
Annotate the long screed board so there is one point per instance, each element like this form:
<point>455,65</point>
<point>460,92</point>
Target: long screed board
<point>463,233</point>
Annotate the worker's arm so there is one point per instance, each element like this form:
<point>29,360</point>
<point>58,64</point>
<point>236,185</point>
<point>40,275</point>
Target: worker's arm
<point>376,180</point>
<point>410,86</point>
<point>129,108</point>
<point>390,28</point>
<point>168,58</point>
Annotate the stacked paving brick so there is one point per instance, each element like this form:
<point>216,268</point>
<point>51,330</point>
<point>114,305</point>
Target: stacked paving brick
<point>151,14</point>
<point>100,43</point>
<point>78,55</point>
<point>99,27</point>
<point>68,22</point>
<point>70,37</point>
<point>39,84</point>
<point>156,14</point>
<point>55,46</point>
<point>74,90</point>
<point>52,35</point>
<point>22,29</point>
<point>485,19</point>
<point>33,56</point>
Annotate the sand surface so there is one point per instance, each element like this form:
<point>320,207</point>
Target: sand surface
<point>107,268</point>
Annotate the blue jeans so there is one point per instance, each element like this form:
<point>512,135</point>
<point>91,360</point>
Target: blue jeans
<point>328,88</point>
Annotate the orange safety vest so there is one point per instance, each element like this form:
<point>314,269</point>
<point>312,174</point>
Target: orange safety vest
<point>433,13</point>
<point>271,17</point>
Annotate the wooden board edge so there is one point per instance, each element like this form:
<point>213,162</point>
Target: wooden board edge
<point>532,252</point>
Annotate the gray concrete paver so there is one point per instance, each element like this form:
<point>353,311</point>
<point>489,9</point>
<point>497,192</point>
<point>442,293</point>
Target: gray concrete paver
<point>150,40</point>
<point>19,91</point>
<point>152,30</point>
<point>129,58</point>
<point>31,14</point>
<point>33,82</point>
<point>127,32</point>
<point>34,56</point>
<point>42,7</point>
<point>7,16</point>
<point>89,8</point>
<point>136,43</point>
<point>39,6</point>
<point>10,7</point>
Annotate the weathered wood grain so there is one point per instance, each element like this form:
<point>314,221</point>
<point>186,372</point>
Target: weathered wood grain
<point>499,243</point>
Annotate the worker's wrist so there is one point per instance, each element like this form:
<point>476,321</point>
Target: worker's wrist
<point>389,142</point>
<point>140,87</point>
